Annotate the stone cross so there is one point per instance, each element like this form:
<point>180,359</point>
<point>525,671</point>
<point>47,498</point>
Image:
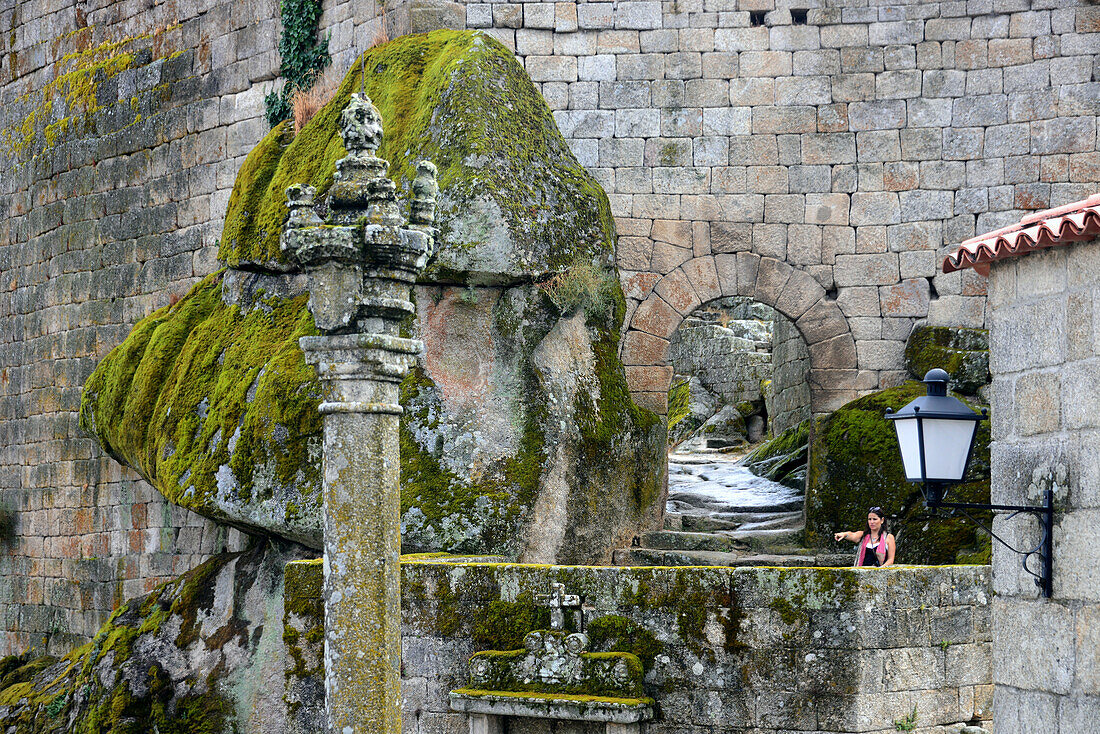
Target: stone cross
<point>559,601</point>
<point>361,265</point>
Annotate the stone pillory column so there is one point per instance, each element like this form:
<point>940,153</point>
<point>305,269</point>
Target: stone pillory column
<point>361,263</point>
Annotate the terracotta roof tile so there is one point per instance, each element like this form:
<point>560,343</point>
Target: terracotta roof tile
<point>1059,226</point>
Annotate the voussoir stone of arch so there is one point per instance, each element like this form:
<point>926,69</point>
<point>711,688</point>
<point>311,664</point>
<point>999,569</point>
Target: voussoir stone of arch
<point>748,263</point>
<point>640,348</point>
<point>726,267</point>
<point>799,294</point>
<point>703,276</point>
<point>676,289</point>
<point>770,279</point>
<point>823,320</point>
<point>655,316</point>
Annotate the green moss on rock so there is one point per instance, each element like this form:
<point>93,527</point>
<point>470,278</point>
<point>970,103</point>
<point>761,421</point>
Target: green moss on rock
<point>215,406</point>
<point>962,352</point>
<point>613,633</point>
<point>129,679</point>
<point>783,458</point>
<point>855,463</point>
<point>514,200</point>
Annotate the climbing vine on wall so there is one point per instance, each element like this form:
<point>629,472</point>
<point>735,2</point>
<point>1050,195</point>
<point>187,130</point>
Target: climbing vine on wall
<point>304,55</point>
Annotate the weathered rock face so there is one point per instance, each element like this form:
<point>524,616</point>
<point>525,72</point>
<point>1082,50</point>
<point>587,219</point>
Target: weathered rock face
<point>964,353</point>
<point>855,464</point>
<point>203,653</point>
<point>520,436</point>
<point>211,401</point>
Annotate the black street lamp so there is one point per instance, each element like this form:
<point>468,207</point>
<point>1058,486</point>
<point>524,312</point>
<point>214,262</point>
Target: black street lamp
<point>936,434</point>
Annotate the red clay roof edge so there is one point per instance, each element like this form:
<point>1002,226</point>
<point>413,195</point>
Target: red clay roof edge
<point>1061,225</point>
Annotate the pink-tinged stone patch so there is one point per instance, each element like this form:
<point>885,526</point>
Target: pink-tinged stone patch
<point>458,343</point>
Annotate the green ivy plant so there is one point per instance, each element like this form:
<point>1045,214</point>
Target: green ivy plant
<point>304,55</point>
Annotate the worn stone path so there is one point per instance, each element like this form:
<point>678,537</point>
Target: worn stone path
<point>721,514</point>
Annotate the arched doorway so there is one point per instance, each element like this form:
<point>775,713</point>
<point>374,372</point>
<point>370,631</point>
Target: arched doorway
<point>834,377</point>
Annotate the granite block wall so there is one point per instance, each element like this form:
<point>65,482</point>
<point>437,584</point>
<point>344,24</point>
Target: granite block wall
<point>1045,360</point>
<point>121,131</point>
<point>789,403</point>
<point>738,650</point>
<point>854,141</point>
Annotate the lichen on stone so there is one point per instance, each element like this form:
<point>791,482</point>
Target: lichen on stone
<point>141,672</point>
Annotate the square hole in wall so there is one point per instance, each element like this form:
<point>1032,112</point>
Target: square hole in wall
<point>798,17</point>
<point>756,18</point>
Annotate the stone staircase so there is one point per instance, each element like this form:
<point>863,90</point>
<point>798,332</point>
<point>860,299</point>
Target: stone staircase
<point>721,533</point>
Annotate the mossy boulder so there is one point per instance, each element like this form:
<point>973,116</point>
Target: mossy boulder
<point>514,202</point>
<point>783,458</point>
<point>520,435</point>
<point>210,399</point>
<point>855,464</point>
<point>195,656</point>
<point>962,352</point>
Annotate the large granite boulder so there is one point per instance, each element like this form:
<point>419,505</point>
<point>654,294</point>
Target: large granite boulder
<point>962,352</point>
<point>202,653</point>
<point>520,436</point>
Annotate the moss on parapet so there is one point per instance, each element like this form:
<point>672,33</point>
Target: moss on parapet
<point>461,100</point>
<point>855,464</point>
<point>216,407</point>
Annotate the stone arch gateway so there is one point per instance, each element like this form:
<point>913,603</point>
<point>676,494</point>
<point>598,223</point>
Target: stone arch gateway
<point>834,377</point>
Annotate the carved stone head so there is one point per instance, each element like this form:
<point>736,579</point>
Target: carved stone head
<point>361,126</point>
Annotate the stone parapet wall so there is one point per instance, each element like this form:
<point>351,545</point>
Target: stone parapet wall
<point>789,399</point>
<point>760,649</point>
<point>1045,360</point>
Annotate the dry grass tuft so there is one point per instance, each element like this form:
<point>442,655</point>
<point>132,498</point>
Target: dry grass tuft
<point>304,103</point>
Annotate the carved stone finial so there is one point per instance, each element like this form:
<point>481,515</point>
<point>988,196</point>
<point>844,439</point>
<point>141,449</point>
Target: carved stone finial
<point>425,189</point>
<point>361,126</point>
<point>299,201</point>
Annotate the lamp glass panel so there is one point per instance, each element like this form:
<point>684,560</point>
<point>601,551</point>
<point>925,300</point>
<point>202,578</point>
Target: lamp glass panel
<point>946,446</point>
<point>910,449</point>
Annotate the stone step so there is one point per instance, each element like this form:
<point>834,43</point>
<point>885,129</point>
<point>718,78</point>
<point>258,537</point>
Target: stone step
<point>680,540</point>
<point>777,521</point>
<point>659,557</point>
<point>707,524</point>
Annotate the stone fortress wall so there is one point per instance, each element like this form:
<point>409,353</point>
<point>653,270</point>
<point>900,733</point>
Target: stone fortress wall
<point>853,141</point>
<point>818,162</point>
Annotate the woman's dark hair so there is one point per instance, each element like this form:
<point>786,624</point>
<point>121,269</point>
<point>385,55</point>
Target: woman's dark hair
<point>885,529</point>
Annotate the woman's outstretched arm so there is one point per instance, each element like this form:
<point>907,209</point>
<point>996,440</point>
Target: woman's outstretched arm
<point>853,535</point>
